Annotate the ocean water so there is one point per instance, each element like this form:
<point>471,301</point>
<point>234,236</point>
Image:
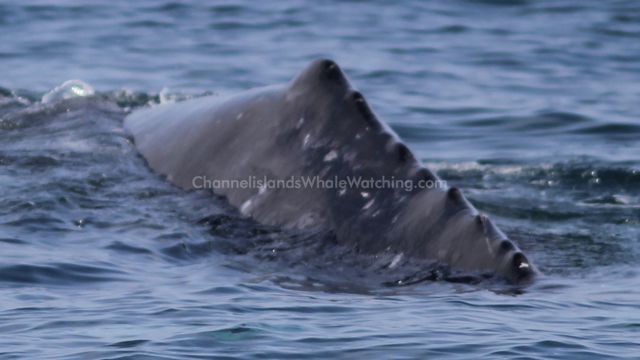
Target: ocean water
<point>531,107</point>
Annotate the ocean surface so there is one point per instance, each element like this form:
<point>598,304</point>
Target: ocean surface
<point>531,107</point>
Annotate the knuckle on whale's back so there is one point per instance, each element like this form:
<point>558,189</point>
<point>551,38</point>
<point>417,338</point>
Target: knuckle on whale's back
<point>403,153</point>
<point>456,202</point>
<point>424,174</point>
<point>363,109</point>
<point>506,246</point>
<point>324,72</point>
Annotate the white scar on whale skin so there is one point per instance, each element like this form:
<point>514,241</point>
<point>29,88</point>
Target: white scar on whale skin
<point>245,207</point>
<point>368,204</point>
<point>396,260</point>
<point>331,155</point>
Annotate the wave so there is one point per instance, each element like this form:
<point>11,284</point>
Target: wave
<point>569,174</point>
<point>547,123</point>
<point>59,274</point>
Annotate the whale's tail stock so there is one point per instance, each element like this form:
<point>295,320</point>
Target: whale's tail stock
<point>319,127</point>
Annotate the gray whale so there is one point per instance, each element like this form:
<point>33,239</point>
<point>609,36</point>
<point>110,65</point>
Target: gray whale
<point>319,126</point>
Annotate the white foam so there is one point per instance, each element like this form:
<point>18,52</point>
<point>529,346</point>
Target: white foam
<point>67,90</point>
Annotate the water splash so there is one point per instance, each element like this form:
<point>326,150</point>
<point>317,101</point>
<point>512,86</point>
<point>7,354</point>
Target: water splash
<point>67,90</point>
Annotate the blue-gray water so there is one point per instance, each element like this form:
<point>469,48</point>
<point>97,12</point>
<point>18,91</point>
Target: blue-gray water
<point>530,106</point>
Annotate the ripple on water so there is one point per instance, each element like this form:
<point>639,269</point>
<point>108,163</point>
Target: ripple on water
<point>59,274</point>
